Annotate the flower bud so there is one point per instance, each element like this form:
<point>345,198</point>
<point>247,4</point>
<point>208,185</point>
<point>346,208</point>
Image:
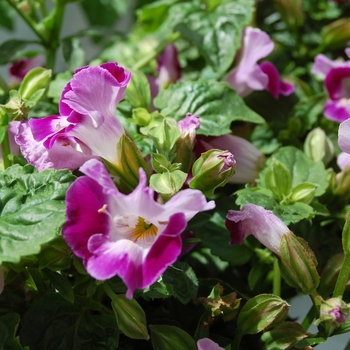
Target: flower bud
<point>304,192</point>
<point>333,311</point>
<point>278,180</point>
<point>184,145</point>
<point>212,169</point>
<point>336,34</point>
<point>261,312</point>
<point>291,12</point>
<point>318,146</point>
<point>298,263</point>
<point>141,116</point>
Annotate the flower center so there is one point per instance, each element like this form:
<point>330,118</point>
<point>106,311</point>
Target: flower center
<point>143,230</point>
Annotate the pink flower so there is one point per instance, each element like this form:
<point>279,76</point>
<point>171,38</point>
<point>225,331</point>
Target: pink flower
<point>344,144</point>
<point>208,344</point>
<point>131,236</point>
<point>86,123</point>
<point>263,224</point>
<point>248,75</point>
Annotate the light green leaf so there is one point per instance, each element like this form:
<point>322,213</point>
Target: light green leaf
<point>138,92</point>
<point>32,209</point>
<point>166,337</point>
<point>214,102</point>
<point>73,53</point>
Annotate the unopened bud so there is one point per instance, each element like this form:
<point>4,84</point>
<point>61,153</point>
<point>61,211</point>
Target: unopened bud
<point>35,84</point>
<point>141,116</point>
<point>318,146</point>
<point>261,312</point>
<point>304,192</point>
<point>212,169</point>
<point>336,34</point>
<point>333,311</point>
<point>298,263</point>
<point>278,180</point>
<point>341,183</point>
<point>291,12</point>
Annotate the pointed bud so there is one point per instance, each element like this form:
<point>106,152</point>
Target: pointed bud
<point>318,146</point>
<point>333,311</point>
<point>184,145</point>
<point>304,192</point>
<point>212,169</point>
<point>298,263</point>
<point>261,312</point>
<point>278,180</point>
<point>127,166</point>
<point>291,12</point>
<point>141,116</point>
<point>336,34</point>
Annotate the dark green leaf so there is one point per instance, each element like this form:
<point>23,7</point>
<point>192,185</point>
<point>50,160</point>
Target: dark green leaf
<point>53,323</point>
<point>7,15</point>
<point>8,330</point>
<point>181,282</point>
<point>215,103</point>
<point>138,92</point>
<point>61,283</point>
<point>32,209</point>
<point>9,48</point>
<point>293,213</point>
<point>170,338</point>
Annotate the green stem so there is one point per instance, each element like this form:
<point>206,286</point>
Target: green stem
<point>276,283</point>
<point>5,144</point>
<point>43,8</point>
<point>157,51</point>
<point>108,290</point>
<point>310,316</point>
<point>237,340</point>
<point>343,277</point>
<point>30,22</point>
<point>3,85</point>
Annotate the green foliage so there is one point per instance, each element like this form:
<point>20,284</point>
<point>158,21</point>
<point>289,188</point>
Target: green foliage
<point>8,327</point>
<point>9,48</point>
<point>215,102</point>
<point>32,209</point>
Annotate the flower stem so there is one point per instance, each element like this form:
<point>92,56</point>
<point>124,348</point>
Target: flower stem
<point>276,284</point>
<point>107,288</point>
<point>343,277</point>
<point>3,85</point>
<point>310,316</point>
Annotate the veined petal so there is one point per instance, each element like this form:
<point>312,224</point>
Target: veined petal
<point>344,136</point>
<point>64,153</point>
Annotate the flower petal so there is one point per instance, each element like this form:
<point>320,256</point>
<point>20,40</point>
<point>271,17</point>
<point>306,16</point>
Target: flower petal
<point>337,83</point>
<point>336,110</point>
<point>343,160</point>
<point>344,136</point>
<point>208,344</point>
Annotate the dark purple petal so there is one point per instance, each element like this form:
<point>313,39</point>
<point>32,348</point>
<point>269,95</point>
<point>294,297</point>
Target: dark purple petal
<point>235,224</point>
<point>337,83</point>
<point>84,199</point>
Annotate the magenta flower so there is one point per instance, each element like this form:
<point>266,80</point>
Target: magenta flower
<point>86,123</point>
<point>20,68</point>
<point>208,344</point>
<point>249,160</point>
<point>344,143</point>
<point>263,224</point>
<point>248,75</point>
<point>132,236</point>
<point>337,78</point>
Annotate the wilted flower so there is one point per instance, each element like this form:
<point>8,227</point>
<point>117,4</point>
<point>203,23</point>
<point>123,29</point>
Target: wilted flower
<point>86,126</point>
<point>249,160</point>
<point>263,224</point>
<point>131,236</point>
<point>248,75</point>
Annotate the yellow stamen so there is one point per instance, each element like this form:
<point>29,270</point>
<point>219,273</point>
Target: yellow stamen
<point>143,229</point>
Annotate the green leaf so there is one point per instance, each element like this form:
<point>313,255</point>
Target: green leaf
<point>294,213</point>
<point>8,329</point>
<point>9,48</point>
<point>54,323</point>
<point>138,92</point>
<point>73,53</point>
<point>215,103</point>
<point>58,84</point>
<point>32,209</point>
<point>217,34</point>
<point>7,15</point>
<point>181,282</point>
<point>301,168</point>
<point>131,318</point>
<point>61,283</point>
<point>166,337</point>
<point>257,196</point>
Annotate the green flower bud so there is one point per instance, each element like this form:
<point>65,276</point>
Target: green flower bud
<point>168,183</point>
<point>298,263</point>
<point>341,182</point>
<point>333,311</point>
<point>318,146</point>
<point>35,84</point>
<point>278,180</point>
<point>291,12</point>
<point>261,312</point>
<point>212,169</point>
<point>141,116</point>
<point>304,192</point>
<point>336,34</point>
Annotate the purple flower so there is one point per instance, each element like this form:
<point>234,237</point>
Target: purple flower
<point>86,123</point>
<point>344,143</point>
<point>263,224</point>
<point>20,68</point>
<point>208,344</point>
<point>131,236</point>
<point>248,75</point>
<point>249,160</point>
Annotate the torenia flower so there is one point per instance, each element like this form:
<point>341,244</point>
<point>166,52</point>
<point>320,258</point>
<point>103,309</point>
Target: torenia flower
<point>248,75</point>
<point>344,143</point>
<point>248,158</point>
<point>132,235</point>
<point>333,311</point>
<point>86,123</point>
<point>263,224</point>
<point>337,81</point>
<point>20,68</point>
<point>208,344</point>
